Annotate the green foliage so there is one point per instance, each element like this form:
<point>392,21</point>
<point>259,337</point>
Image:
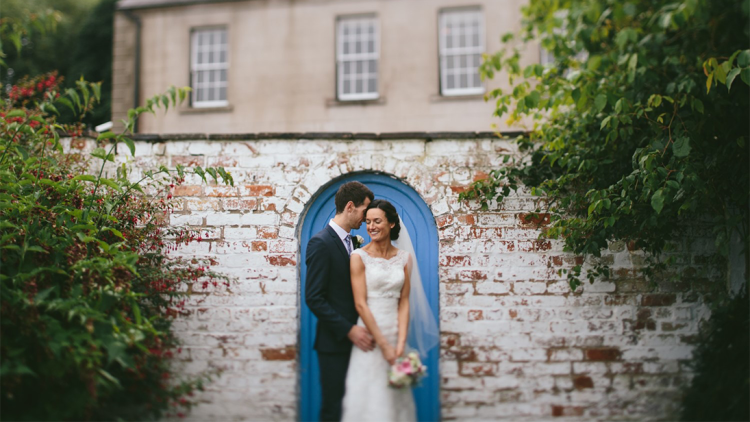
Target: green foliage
<point>81,46</point>
<point>88,288</point>
<point>720,390</point>
<point>629,141</point>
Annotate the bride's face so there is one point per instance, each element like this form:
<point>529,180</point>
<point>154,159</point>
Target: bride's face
<point>378,226</point>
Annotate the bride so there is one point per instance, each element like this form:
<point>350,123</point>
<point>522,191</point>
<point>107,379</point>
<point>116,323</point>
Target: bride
<point>390,304</point>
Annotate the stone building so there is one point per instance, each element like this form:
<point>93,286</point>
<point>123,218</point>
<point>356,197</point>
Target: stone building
<point>313,65</point>
<point>282,103</point>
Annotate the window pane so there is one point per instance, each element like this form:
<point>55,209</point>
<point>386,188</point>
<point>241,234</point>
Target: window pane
<point>223,93</point>
<point>223,75</point>
<point>200,76</point>
<point>199,95</point>
<point>475,80</point>
<point>211,76</point>
<point>372,85</point>
<point>360,67</point>
<point>359,86</point>
<point>223,56</point>
<point>358,48</point>
<point>449,63</point>
<point>463,81</point>
<point>210,94</point>
<point>371,46</point>
<point>373,66</point>
<point>451,81</point>
<point>223,37</point>
<point>347,68</point>
<point>463,61</point>
<point>477,60</point>
<point>346,47</point>
<point>347,86</point>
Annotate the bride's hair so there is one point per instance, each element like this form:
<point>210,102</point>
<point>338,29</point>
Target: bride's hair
<point>390,214</point>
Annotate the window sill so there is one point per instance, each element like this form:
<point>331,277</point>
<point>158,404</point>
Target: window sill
<point>437,98</point>
<point>332,102</point>
<point>200,110</point>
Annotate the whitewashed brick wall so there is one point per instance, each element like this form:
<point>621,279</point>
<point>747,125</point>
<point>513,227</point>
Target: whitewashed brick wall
<point>516,342</point>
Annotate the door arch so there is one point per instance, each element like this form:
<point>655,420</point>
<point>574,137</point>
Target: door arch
<point>420,223</point>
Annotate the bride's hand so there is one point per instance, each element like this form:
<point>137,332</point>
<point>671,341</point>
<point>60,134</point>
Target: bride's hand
<point>400,350</point>
<point>389,354</point>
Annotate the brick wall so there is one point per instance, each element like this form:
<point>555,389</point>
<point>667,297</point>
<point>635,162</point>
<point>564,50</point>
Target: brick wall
<point>516,342</point>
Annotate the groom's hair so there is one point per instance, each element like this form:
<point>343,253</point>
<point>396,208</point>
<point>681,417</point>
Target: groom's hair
<point>352,191</point>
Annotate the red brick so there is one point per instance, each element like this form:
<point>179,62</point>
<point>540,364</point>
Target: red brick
<point>268,233</point>
<point>658,300</point>
<point>444,220</point>
<point>542,245</point>
<point>567,410</point>
<point>480,175</point>
<point>267,206</point>
<point>259,246</point>
<point>259,190</point>
<point>603,354</point>
<point>556,260</point>
<point>468,219</point>
<point>513,313</point>
<point>582,381</point>
<point>475,315</point>
<point>187,190</point>
<point>459,189</point>
<point>280,261</point>
<point>221,191</point>
<point>450,340</point>
<point>472,275</point>
<point>285,353</point>
<point>455,261</point>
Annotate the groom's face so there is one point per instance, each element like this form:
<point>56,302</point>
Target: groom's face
<point>358,214</point>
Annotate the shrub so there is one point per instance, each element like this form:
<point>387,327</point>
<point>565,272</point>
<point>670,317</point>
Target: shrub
<point>88,288</point>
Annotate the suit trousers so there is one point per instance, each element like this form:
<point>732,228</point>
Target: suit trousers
<point>333,367</point>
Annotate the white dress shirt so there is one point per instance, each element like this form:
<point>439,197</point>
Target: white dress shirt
<point>342,235</point>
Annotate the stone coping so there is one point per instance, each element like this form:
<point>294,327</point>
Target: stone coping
<point>337,136</point>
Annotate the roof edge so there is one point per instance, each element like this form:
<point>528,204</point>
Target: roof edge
<point>154,4</point>
<point>333,136</point>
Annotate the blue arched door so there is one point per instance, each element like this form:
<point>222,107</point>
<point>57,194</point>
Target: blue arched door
<point>421,226</point>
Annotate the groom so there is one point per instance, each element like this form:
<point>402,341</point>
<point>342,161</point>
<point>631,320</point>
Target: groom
<point>328,293</point>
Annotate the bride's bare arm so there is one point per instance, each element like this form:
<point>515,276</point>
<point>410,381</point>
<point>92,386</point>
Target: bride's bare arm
<point>403,310</point>
<point>359,289</point>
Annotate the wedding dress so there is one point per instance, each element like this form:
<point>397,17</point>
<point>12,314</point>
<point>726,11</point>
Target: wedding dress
<point>368,396</point>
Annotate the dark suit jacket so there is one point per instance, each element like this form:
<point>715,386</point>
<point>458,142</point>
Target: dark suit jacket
<point>328,291</point>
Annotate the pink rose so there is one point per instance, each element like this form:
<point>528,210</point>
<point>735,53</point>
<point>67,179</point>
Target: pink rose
<point>405,367</point>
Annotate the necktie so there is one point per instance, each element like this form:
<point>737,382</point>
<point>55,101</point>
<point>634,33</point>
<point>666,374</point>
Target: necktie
<point>348,243</point>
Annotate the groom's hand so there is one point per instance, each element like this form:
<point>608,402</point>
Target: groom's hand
<point>361,338</point>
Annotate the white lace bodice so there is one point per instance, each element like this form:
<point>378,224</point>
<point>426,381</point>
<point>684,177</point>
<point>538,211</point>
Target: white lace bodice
<point>368,397</point>
<point>382,281</point>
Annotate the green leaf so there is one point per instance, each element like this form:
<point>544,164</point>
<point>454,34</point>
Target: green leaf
<point>15,113</point>
<point>708,82</point>
<point>85,178</point>
<point>605,122</point>
<point>129,142</point>
<point>743,59</point>
<point>111,183</point>
<point>109,377</point>
<point>600,102</point>
<point>106,135</point>
<point>657,201</point>
<point>66,102</point>
<point>681,147</point>
<point>36,249</point>
<point>730,77</point>
<point>745,75</point>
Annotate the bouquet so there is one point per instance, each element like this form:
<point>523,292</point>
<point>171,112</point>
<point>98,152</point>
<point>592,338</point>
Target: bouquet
<point>408,371</point>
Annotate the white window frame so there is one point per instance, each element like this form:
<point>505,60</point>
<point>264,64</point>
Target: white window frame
<point>342,58</point>
<point>195,67</point>
<point>443,16</point>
